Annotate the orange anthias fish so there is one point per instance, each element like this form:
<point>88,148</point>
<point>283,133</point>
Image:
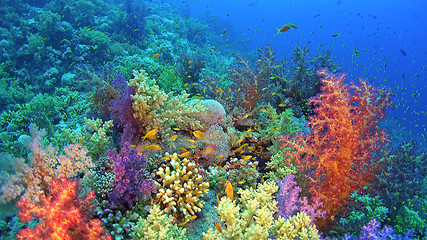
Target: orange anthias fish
<point>218,227</point>
<point>150,134</point>
<point>209,150</point>
<point>199,135</point>
<point>283,29</point>
<point>229,190</point>
<point>155,56</point>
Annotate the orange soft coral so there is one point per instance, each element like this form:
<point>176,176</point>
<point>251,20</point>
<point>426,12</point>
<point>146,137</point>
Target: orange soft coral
<point>62,214</point>
<point>337,157</point>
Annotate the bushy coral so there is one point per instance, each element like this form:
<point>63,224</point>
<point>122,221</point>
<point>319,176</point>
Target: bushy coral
<point>180,188</point>
<point>158,225</point>
<point>131,183</point>
<point>45,164</point>
<point>62,214</point>
<point>253,218</point>
<point>153,107</point>
<point>338,157</point>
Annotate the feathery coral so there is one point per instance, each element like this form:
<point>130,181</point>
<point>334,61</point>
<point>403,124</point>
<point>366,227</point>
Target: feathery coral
<point>45,165</point>
<point>62,214</point>
<point>337,158</point>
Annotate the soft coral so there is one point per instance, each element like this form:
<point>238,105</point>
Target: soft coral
<point>337,157</point>
<point>62,214</point>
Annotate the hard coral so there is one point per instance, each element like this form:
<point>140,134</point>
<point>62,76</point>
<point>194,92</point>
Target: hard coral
<point>62,214</point>
<point>181,188</point>
<point>338,157</point>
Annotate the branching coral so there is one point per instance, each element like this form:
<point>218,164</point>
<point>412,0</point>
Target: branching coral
<point>338,157</point>
<point>181,188</point>
<point>63,215</point>
<point>253,218</point>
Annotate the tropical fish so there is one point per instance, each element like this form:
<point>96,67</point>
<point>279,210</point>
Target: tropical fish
<point>152,147</point>
<point>150,134</point>
<point>217,199</point>
<point>218,227</point>
<point>335,35</point>
<point>274,77</point>
<point>229,190</point>
<point>184,154</point>
<point>232,139</point>
<point>283,29</point>
<point>155,56</point>
<point>199,135</point>
<point>239,141</point>
<point>223,32</point>
<point>173,137</point>
<point>293,25</point>
<point>191,140</point>
<point>220,156</point>
<point>209,150</point>
<point>247,158</point>
<point>192,146</point>
<point>189,219</point>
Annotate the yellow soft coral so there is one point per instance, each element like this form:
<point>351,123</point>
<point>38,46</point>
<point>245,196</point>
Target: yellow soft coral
<point>181,188</point>
<point>153,107</point>
<point>254,220</point>
<point>157,226</point>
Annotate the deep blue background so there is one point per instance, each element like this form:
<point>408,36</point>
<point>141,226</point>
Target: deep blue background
<point>390,37</point>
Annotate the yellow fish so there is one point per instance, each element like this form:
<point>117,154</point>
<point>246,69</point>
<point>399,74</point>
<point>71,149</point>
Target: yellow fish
<point>232,139</point>
<point>152,147</point>
<point>155,56</point>
<point>229,190</point>
<point>184,154</point>
<point>150,134</point>
<point>239,141</point>
<point>199,135</point>
<point>220,156</point>
<point>274,77</point>
<point>247,158</point>
<point>173,137</point>
<point>191,140</point>
<point>192,146</point>
<point>217,198</point>
<point>189,219</point>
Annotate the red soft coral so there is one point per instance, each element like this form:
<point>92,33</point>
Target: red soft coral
<point>62,214</point>
<point>337,157</point>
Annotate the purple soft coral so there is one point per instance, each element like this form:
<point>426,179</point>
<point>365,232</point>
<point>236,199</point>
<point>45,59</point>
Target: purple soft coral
<point>288,201</point>
<point>130,182</point>
<point>122,113</point>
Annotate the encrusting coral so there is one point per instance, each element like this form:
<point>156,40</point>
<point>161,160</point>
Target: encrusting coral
<point>153,107</point>
<point>253,218</point>
<point>181,187</point>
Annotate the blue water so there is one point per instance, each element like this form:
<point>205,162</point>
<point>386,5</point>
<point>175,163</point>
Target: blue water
<point>389,36</point>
